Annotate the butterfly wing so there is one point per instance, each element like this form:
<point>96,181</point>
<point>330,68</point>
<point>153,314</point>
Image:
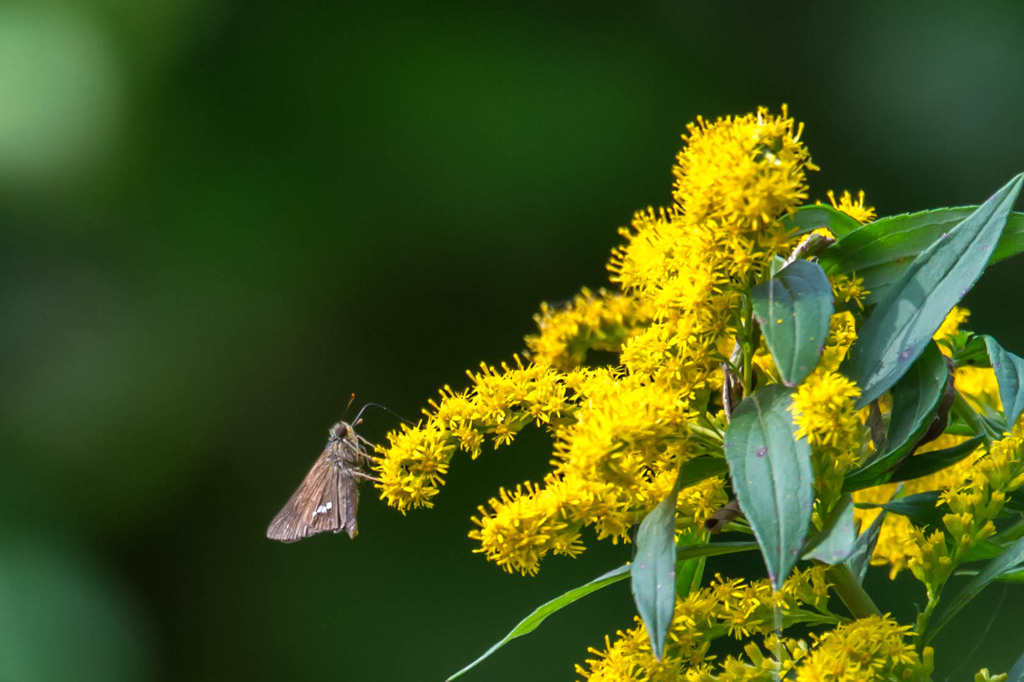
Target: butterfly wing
<point>349,503</point>
<point>326,500</point>
<point>337,504</point>
<point>296,519</point>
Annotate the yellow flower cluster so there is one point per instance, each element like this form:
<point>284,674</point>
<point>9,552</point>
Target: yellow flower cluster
<point>683,272</point>
<point>733,608</point>
<point>613,463</point>
<point>590,322</point>
<point>622,432</point>
<point>855,209</point>
<point>691,263</point>
<point>979,388</point>
<point>951,325</point>
<point>417,460</point>
<point>527,524</point>
<point>872,648</point>
<point>974,502</point>
<point>899,541</point>
<point>498,404</point>
<point>742,172</point>
<point>849,292</point>
<point>823,408</point>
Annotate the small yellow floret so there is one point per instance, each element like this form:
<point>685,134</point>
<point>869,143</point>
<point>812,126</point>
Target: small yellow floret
<point>855,209</point>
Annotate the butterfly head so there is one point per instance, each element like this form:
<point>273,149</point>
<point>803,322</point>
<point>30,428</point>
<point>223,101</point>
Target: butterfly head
<point>341,431</point>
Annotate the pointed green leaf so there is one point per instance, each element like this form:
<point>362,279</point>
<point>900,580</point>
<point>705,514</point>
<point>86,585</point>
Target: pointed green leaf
<point>772,477</point>
<point>923,508</point>
<point>714,549</point>
<point>532,621</point>
<point>793,309</point>
<point>690,572</point>
<point>881,251</point>
<point>904,321</point>
<point>1008,561</point>
<point>812,217</point>
<point>864,547</point>
<point>926,463</point>
<point>915,399</point>
<point>1010,375</point>
<point>653,572</point>
<point>834,543</point>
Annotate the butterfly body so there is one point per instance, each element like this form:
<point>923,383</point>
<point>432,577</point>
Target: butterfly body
<point>327,499</point>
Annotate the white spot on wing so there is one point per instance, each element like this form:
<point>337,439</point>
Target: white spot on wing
<point>323,509</point>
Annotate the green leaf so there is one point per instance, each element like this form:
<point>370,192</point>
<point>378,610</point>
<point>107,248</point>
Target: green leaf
<point>925,463</point>
<point>810,218</point>
<point>714,549</point>
<point>834,543</point>
<point>982,552</point>
<point>690,572</point>
<point>698,469</point>
<point>968,350</point>
<point>532,621</point>
<point>772,477</point>
<point>1015,576</point>
<point>864,547</point>
<point>793,309</point>
<point>990,426</point>
<point>1008,561</point>
<point>881,251</point>
<point>690,567</point>
<point>1016,673</point>
<point>1009,535</point>
<point>1010,375</point>
<point>923,508</point>
<point>915,399</point>
<point>904,321</point>
<point>653,572</point>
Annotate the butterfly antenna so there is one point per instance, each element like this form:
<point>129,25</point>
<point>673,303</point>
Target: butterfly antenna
<point>391,412</point>
<point>351,399</point>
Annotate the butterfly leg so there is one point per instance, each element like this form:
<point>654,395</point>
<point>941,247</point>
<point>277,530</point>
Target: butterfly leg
<point>367,457</point>
<point>367,477</point>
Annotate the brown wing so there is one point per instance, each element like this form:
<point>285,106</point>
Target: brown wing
<point>327,499</point>
<point>337,505</point>
<point>349,503</point>
<point>299,517</point>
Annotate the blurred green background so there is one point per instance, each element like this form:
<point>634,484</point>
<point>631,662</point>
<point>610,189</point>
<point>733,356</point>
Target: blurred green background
<point>219,219</point>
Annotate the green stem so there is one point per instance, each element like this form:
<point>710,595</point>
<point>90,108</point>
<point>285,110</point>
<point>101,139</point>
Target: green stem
<point>851,592</point>
<point>713,435</point>
<point>925,616</point>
